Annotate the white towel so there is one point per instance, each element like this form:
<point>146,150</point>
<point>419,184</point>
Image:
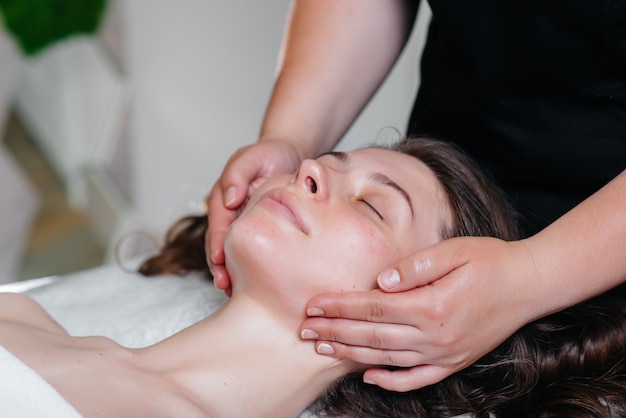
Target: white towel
<point>24,394</point>
<point>133,310</point>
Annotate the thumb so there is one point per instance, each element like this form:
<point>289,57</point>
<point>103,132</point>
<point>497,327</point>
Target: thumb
<point>421,268</point>
<point>233,196</point>
<point>235,187</point>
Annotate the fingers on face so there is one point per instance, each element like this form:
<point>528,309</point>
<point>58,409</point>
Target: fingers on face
<point>361,333</point>
<point>219,221</point>
<point>404,380</point>
<point>372,306</point>
<point>220,276</point>
<point>371,356</point>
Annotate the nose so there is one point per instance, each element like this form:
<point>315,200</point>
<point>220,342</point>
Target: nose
<point>312,179</point>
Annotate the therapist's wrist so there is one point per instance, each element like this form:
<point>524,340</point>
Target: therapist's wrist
<point>298,146</point>
<point>544,290</point>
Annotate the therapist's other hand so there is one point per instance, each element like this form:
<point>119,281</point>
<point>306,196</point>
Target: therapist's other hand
<point>246,169</point>
<point>449,305</point>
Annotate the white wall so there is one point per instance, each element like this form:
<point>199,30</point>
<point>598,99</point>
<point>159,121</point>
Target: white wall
<point>193,79</point>
<point>201,73</point>
<point>19,200</point>
<point>11,64</point>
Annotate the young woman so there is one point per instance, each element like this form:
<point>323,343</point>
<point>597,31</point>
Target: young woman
<point>353,213</point>
<point>571,364</point>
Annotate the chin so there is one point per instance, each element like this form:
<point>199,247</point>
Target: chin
<point>253,250</point>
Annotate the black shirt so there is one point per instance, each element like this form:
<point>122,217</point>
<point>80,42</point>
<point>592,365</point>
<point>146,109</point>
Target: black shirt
<point>535,90</point>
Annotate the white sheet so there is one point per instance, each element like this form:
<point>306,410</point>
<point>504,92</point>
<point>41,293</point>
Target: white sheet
<point>131,309</point>
<point>23,394</point>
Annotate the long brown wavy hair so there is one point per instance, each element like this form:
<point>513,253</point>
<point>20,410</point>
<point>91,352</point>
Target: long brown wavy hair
<point>569,364</point>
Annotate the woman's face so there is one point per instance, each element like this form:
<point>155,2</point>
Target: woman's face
<point>335,224</point>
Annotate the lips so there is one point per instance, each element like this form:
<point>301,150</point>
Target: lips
<point>285,205</point>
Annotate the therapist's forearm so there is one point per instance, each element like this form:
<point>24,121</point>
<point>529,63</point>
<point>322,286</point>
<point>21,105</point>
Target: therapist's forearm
<point>335,55</point>
<point>583,253</point>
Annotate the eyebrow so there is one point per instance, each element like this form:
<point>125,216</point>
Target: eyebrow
<point>379,178</point>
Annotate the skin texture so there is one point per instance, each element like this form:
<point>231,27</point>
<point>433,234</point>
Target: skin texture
<point>316,97</point>
<point>370,202</point>
<point>441,287</point>
<point>457,299</point>
<point>354,211</point>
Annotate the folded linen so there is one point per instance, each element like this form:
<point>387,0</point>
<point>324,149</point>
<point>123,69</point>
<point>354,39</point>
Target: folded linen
<point>25,394</point>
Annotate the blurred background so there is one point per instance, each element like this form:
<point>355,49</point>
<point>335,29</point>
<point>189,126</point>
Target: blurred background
<point>118,116</point>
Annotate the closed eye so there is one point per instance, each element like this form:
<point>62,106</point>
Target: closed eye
<point>372,208</point>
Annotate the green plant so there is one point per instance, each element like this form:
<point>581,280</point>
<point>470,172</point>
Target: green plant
<point>36,24</point>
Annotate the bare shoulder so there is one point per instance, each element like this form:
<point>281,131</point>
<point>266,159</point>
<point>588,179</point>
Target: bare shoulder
<point>21,309</point>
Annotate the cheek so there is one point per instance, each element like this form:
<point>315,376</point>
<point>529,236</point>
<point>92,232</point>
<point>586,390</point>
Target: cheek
<point>354,254</point>
<point>343,254</point>
<point>373,245</point>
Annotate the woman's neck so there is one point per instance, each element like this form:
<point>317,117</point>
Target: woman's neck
<point>247,360</point>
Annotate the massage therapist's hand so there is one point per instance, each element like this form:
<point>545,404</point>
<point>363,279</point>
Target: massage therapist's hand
<point>449,305</point>
<point>244,172</point>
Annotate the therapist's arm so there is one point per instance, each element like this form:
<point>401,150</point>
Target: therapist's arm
<point>460,298</point>
<point>583,253</point>
<point>335,55</point>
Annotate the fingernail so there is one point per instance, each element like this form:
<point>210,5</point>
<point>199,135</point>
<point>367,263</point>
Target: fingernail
<point>389,279</point>
<point>308,334</point>
<point>314,312</point>
<point>230,195</point>
<point>214,252</point>
<point>369,382</point>
<point>324,348</point>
